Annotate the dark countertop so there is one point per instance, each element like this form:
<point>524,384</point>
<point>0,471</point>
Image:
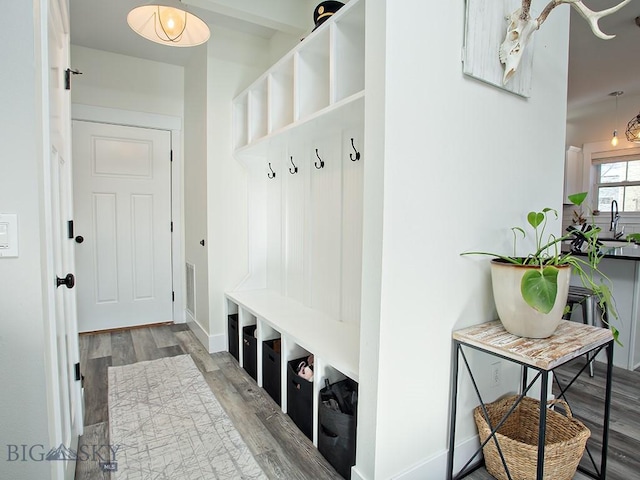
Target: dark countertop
<point>630,251</point>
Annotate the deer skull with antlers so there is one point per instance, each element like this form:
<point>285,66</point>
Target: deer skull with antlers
<point>522,26</point>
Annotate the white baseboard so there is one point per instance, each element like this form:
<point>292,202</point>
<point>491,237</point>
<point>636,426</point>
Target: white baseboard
<point>356,475</point>
<point>213,343</point>
<point>217,343</point>
<point>435,468</point>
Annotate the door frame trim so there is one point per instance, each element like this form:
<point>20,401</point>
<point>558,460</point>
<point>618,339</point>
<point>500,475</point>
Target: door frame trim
<point>114,116</point>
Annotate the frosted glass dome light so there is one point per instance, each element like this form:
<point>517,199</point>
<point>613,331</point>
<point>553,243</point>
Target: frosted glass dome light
<point>168,23</point>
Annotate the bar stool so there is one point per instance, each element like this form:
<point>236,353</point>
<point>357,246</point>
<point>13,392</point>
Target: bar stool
<point>591,311</point>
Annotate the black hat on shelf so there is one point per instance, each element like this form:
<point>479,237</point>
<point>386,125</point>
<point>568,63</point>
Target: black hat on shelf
<point>324,10</point>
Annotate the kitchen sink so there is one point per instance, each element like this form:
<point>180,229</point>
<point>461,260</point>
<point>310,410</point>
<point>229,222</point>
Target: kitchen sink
<point>616,243</point>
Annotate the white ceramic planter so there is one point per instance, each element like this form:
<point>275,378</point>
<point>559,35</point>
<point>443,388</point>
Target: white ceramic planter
<point>516,315</point>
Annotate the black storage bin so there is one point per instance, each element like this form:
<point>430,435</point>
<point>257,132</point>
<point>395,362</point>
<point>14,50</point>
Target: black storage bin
<point>250,351</point>
<point>271,372</point>
<point>234,338</point>
<point>337,428</point>
<point>300,399</point>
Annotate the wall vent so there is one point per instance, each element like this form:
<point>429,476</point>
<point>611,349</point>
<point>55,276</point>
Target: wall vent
<point>191,289</point>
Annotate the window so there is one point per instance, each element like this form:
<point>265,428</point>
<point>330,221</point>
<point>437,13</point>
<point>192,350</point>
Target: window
<point>618,178</point>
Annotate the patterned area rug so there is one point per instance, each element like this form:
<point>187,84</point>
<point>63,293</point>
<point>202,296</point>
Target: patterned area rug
<point>167,424</point>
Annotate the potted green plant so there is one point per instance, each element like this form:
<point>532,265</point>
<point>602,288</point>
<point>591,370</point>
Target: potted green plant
<point>531,291</point>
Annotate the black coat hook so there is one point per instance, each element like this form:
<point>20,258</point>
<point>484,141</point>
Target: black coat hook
<point>272,174</point>
<point>294,169</point>
<point>357,157</point>
<point>321,161</point>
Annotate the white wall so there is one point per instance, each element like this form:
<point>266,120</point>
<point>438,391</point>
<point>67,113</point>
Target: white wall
<point>127,83</point>
<point>372,228</point>
<point>595,123</point>
<point>280,44</point>
<point>240,48</point>
<point>137,92</point>
<point>23,395</point>
<point>283,15</point>
<point>215,191</point>
<point>195,180</point>
<point>232,65</point>
<point>476,159</point>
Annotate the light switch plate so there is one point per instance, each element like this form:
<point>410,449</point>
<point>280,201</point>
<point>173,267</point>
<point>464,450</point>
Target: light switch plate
<point>8,235</point>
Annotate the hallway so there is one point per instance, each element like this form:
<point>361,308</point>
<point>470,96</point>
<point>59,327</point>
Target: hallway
<point>280,449</point>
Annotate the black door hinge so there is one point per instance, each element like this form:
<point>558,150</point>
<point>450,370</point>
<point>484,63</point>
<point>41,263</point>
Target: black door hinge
<point>70,229</point>
<point>171,155</point>
<point>172,227</point>
<point>77,371</point>
<point>67,77</point>
<point>173,296</point>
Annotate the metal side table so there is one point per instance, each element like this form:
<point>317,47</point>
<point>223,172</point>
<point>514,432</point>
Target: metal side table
<point>570,341</point>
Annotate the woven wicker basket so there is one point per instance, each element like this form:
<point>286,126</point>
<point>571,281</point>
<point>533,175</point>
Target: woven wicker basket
<point>565,440</point>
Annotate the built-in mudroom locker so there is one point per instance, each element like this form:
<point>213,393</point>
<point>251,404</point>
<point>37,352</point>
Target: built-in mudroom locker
<point>294,323</point>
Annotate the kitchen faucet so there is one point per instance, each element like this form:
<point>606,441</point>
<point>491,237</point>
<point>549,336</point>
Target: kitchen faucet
<point>615,216</point>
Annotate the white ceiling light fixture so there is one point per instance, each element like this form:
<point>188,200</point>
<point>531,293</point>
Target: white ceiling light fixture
<point>169,23</point>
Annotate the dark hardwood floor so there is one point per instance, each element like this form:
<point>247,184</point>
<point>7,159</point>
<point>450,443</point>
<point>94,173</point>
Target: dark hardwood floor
<point>585,398</point>
<point>279,447</point>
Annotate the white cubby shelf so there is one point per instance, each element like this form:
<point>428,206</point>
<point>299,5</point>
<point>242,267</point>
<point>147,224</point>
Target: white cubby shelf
<point>304,226</point>
<point>347,112</point>
<point>302,332</point>
<point>319,77</point>
<point>335,343</point>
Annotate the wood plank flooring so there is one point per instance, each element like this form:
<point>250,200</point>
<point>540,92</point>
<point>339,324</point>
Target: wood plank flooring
<point>585,399</point>
<point>278,446</point>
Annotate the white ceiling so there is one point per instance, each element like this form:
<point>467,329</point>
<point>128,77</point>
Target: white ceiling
<point>102,24</point>
<point>596,67</point>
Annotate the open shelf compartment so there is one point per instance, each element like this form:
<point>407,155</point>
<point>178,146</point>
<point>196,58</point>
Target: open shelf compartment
<point>281,95</point>
<point>270,371</point>
<point>247,322</point>
<point>335,429</point>
<point>240,121</point>
<point>299,391</point>
<point>258,113</point>
<point>313,75</point>
<point>348,53</point>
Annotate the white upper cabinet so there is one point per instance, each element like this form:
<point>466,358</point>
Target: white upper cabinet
<point>572,172</point>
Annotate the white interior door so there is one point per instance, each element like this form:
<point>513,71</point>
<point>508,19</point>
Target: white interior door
<point>122,191</point>
<point>67,402</point>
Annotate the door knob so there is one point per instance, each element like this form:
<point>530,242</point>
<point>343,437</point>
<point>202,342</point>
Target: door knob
<point>79,239</point>
<point>69,281</point>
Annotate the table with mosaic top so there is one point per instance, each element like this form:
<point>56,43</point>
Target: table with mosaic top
<point>570,341</point>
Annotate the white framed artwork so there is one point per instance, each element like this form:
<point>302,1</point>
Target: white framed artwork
<point>485,29</point>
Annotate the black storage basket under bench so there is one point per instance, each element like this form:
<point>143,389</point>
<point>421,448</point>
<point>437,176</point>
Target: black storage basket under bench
<point>250,351</point>
<point>300,399</point>
<point>337,418</point>
<point>271,372</point>
<point>234,338</point>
